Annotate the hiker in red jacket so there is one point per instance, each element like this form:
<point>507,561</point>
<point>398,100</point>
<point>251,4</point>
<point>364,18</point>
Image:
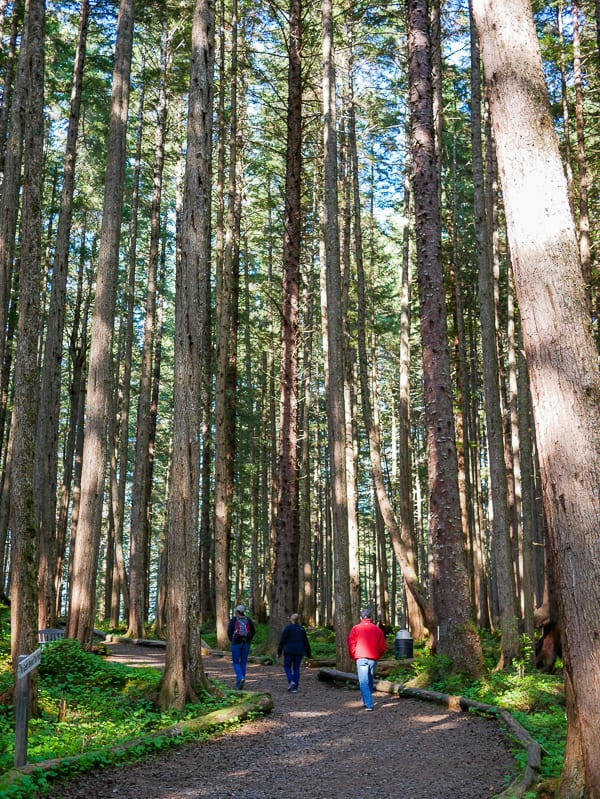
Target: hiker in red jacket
<point>366,644</point>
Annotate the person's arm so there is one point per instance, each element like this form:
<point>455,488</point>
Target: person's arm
<point>252,629</point>
<point>382,644</point>
<point>352,643</point>
<point>307,645</point>
<point>282,640</point>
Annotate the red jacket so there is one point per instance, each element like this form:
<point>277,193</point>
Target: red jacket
<point>366,640</point>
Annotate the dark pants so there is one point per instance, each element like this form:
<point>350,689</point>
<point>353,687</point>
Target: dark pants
<point>291,664</point>
<point>239,658</point>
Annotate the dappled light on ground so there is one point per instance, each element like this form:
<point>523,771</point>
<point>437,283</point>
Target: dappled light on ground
<point>320,744</point>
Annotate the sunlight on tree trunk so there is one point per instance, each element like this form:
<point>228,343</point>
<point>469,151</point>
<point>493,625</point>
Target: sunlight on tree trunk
<point>561,357</point>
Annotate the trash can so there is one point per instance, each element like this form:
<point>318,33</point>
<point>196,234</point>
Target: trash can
<point>403,644</point>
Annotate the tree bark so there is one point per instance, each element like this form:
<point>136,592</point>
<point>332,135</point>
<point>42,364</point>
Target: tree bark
<point>336,417</point>
<point>457,637</point>
<point>226,362</point>
<point>502,561</point>
<point>100,376</point>
<point>141,485</point>
<point>23,522</point>
<point>284,595</point>
<point>184,672</point>
<point>48,422</point>
<point>561,357</point>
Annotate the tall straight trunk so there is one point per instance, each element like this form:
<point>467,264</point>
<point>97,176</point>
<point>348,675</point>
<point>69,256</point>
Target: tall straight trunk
<point>400,536</point>
<point>8,77</point>
<point>9,200</point>
<point>23,522</point>
<point>583,182</point>
<point>284,596</point>
<point>336,416</point>
<point>141,486</point>
<point>306,599</point>
<point>566,114</point>
<point>501,550</point>
<point>120,451</point>
<point>225,356</point>
<point>457,636</point>
<point>48,421</point>
<point>349,337</point>
<point>462,383</point>
<point>184,673</point>
<point>523,460</point>
<point>561,357</point>
<point>77,360</point>
<point>405,503</point>
<point>100,375</point>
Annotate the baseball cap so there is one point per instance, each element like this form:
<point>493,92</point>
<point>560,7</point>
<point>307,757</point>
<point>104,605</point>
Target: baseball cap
<point>240,609</point>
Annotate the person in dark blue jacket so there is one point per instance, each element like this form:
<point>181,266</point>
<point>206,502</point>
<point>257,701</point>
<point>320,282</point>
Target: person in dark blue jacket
<point>295,645</point>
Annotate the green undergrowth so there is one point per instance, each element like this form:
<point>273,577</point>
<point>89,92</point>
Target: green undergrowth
<point>89,706</point>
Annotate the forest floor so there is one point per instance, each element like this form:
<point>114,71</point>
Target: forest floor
<point>318,743</point>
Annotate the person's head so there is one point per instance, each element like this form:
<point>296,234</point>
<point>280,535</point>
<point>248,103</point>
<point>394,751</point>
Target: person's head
<point>295,618</point>
<point>366,613</point>
<point>240,610</point>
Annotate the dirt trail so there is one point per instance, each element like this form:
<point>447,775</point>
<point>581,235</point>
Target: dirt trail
<point>318,743</point>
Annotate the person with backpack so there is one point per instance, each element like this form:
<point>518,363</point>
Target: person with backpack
<point>240,632</point>
<point>294,645</point>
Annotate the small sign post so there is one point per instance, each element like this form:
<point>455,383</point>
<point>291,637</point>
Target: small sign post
<point>25,666</point>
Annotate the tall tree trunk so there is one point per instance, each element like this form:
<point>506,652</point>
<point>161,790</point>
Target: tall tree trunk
<point>23,522</point>
<point>141,485</point>
<point>335,355</point>
<point>349,336</point>
<point>120,450</point>
<point>77,358</point>
<point>184,672</point>
<point>100,376</point>
<point>582,170</point>
<point>9,204</point>
<point>501,550</point>
<point>7,78</point>
<point>400,536</point>
<point>561,357</point>
<point>457,637</point>
<point>284,596</point>
<point>306,601</point>
<point>48,421</point>
<point>225,375</point>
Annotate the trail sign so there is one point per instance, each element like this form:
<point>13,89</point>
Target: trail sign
<point>28,663</point>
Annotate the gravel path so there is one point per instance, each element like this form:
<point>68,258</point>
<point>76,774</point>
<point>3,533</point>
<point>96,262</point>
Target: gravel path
<point>318,743</point>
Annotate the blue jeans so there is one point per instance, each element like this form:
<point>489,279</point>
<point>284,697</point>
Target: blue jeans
<point>291,664</point>
<point>239,658</point>
<point>365,668</point>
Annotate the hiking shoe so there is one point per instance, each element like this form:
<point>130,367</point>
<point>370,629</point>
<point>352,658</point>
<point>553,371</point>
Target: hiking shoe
<point>241,685</point>
<point>368,708</point>
<point>292,686</point>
